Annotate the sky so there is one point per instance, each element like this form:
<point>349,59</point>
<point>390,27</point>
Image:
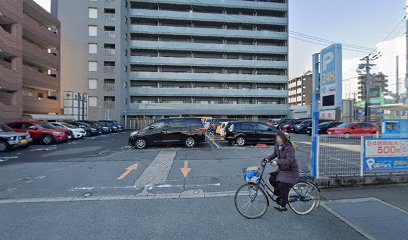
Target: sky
<point>366,23</point>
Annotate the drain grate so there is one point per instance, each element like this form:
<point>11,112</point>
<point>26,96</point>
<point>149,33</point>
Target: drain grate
<point>372,217</point>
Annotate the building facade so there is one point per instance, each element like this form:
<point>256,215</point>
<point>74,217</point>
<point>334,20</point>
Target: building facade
<point>29,60</point>
<point>376,80</point>
<point>301,90</point>
<point>147,59</point>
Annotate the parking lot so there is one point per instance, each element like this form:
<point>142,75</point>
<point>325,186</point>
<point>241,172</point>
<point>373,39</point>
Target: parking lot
<point>100,188</point>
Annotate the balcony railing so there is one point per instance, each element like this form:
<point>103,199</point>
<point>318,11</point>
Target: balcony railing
<point>109,69</point>
<point>110,52</point>
<point>109,104</point>
<point>109,87</point>
<point>110,17</point>
<point>110,35</point>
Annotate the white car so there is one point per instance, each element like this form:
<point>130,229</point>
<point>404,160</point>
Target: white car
<point>76,131</point>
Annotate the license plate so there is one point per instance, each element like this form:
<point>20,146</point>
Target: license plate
<point>24,141</point>
<point>69,137</point>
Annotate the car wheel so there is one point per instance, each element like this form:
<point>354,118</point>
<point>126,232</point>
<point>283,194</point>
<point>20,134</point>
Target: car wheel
<point>3,146</point>
<point>190,142</point>
<point>347,135</point>
<point>47,139</point>
<point>140,143</point>
<point>240,141</point>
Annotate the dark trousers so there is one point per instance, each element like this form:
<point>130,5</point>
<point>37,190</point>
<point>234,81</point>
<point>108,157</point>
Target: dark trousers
<point>280,189</point>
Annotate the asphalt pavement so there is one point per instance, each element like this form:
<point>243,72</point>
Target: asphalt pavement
<point>99,188</point>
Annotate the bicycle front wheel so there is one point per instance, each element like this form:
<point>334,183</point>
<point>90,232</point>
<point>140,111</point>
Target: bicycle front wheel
<point>251,201</point>
<point>303,198</point>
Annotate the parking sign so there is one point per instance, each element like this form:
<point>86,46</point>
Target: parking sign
<point>331,77</point>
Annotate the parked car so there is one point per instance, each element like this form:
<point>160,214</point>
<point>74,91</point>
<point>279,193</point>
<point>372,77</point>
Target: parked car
<point>281,122</point>
<point>11,139</point>
<point>324,126</point>
<point>288,126</point>
<point>354,128</point>
<point>41,131</point>
<point>243,132</point>
<point>90,131</point>
<point>101,128</point>
<point>309,128</point>
<point>301,127</point>
<point>76,131</point>
<point>119,127</point>
<point>187,131</point>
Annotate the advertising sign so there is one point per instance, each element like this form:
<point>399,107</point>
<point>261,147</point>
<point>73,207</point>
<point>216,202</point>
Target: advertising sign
<point>385,154</point>
<point>331,77</point>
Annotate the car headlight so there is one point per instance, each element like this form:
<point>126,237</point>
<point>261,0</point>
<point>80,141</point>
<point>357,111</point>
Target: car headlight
<point>93,129</point>
<point>134,133</point>
<point>59,133</point>
<point>11,138</point>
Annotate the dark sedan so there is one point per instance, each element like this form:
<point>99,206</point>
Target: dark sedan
<point>324,126</point>
<point>242,133</point>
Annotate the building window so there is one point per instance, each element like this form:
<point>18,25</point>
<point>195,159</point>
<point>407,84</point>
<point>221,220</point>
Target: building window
<point>92,84</point>
<point>93,101</point>
<point>93,48</point>
<point>93,31</point>
<point>92,66</point>
<point>93,13</point>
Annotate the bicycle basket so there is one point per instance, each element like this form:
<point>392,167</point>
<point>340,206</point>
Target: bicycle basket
<point>252,174</point>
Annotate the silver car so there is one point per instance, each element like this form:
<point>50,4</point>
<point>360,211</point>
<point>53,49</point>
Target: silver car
<point>10,139</point>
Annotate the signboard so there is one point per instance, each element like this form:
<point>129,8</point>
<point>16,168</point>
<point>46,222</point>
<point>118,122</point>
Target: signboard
<point>327,115</point>
<point>331,77</point>
<point>385,154</point>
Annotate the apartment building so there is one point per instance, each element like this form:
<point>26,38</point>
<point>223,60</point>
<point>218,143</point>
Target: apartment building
<point>29,60</point>
<point>147,59</point>
<point>376,80</point>
<point>301,90</point>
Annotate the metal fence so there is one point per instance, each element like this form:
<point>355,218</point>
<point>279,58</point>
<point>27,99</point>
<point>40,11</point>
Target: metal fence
<point>341,156</point>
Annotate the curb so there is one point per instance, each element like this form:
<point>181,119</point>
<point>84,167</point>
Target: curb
<point>337,182</point>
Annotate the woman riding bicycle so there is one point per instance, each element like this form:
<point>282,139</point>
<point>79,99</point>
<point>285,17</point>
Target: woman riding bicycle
<point>284,157</point>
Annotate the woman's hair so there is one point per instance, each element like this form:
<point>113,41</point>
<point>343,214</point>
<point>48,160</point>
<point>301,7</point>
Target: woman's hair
<point>285,139</point>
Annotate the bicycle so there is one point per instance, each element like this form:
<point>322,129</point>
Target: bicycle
<point>303,197</point>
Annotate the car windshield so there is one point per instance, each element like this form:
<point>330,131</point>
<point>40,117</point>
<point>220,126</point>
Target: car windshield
<point>47,126</point>
<point>5,128</point>
<point>69,125</point>
<point>345,125</point>
<point>323,124</point>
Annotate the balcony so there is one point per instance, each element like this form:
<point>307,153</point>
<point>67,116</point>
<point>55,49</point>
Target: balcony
<point>213,17</point>
<point>208,62</point>
<point>109,17</point>
<point>10,10</point>
<point>202,92</point>
<point>39,34</point>
<point>188,46</point>
<point>9,79</point>
<point>110,35</point>
<point>9,44</point>
<point>207,32</point>
<point>40,105</point>
<point>226,4</point>
<point>37,56</point>
<point>34,78</point>
<point>109,52</point>
<point>109,69</point>
<point>214,77</point>
<point>207,109</point>
<point>109,104</point>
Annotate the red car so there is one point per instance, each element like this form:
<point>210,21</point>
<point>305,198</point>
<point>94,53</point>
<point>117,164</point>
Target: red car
<point>354,128</point>
<point>41,131</point>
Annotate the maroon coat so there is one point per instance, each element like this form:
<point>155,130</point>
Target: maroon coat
<point>288,167</point>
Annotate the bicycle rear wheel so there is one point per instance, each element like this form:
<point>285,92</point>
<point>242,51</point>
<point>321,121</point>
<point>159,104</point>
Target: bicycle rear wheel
<point>251,201</point>
<point>303,198</point>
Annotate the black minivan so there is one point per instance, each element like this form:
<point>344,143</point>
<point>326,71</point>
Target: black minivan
<point>187,131</point>
<point>250,132</point>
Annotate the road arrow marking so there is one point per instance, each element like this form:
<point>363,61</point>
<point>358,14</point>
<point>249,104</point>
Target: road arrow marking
<point>128,170</point>
<point>185,170</point>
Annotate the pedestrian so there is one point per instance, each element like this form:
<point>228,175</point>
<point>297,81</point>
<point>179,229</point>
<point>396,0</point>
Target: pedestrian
<point>287,174</point>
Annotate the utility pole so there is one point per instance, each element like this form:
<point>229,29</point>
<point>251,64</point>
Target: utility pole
<point>397,80</point>
<point>366,66</point>
<point>406,49</point>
